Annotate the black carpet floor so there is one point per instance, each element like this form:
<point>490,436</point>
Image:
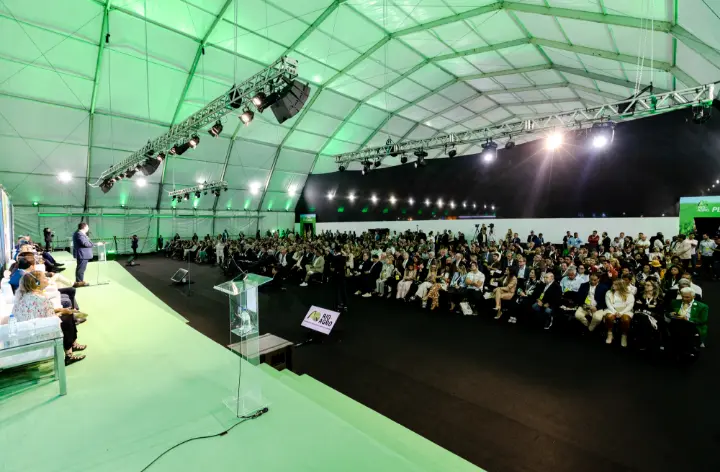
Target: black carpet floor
<point>501,396</point>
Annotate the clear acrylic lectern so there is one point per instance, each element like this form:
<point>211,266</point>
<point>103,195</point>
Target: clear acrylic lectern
<point>101,252</point>
<point>244,340</point>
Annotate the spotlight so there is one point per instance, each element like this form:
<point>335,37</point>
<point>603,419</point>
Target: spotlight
<point>342,168</point>
<point>351,197</point>
<point>35,204</point>
<point>701,114</point>
<point>403,159</point>
<point>374,199</point>
<point>451,153</point>
<point>464,205</point>
<point>141,182</point>
<point>489,150</point>
<point>107,185</point>
<point>554,140</point>
<point>474,205</point>
<point>205,192</point>
<point>258,100</point>
<point>216,129</point>
<point>160,157</point>
<point>394,150</point>
<point>292,190</point>
<point>452,205</point>
<point>440,203</point>
<point>392,200</point>
<point>427,202</point>
<point>255,188</point>
<point>130,173</point>
<point>65,177</point>
<point>411,201</point>
<point>187,196</point>
<point>247,116</point>
<point>197,194</point>
<point>509,144</point>
<point>330,195</point>
<point>194,141</point>
<point>225,189</point>
<point>421,155</point>
<point>378,163</point>
<point>603,134</point>
<point>492,207</point>
<point>235,98</point>
<point>179,150</point>
<point>366,167</point>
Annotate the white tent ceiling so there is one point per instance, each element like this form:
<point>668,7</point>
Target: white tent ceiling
<point>70,101</point>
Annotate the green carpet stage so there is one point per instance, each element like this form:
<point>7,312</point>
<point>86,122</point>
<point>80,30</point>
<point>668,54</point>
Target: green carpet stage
<point>150,381</point>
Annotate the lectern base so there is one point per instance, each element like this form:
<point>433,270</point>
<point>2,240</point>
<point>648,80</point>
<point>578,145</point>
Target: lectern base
<point>245,405</point>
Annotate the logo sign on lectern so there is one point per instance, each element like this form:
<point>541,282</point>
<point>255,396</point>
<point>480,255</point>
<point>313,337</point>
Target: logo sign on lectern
<point>320,319</point>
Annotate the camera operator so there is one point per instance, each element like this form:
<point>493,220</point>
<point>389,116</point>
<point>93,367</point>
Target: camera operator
<point>48,235</point>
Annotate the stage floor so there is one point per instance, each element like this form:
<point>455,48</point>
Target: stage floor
<point>150,381</point>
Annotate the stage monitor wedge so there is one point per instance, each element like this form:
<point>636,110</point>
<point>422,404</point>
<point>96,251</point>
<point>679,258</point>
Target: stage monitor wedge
<point>292,98</point>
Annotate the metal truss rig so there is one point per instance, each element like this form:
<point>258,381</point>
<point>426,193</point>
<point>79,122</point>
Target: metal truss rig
<point>206,187</point>
<point>630,109</point>
<point>238,97</point>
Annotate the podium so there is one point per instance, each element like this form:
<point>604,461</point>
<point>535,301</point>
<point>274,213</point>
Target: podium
<point>244,340</point>
<point>100,250</point>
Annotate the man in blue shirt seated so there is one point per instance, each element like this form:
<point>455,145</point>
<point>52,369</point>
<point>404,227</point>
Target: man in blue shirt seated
<point>22,266</point>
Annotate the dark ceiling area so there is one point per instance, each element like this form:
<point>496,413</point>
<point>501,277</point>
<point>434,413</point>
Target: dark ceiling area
<point>651,163</point>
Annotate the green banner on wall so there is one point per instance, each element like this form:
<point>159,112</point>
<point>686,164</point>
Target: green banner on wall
<point>697,207</point>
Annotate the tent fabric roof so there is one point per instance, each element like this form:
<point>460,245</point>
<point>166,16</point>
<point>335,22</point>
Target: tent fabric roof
<point>83,83</point>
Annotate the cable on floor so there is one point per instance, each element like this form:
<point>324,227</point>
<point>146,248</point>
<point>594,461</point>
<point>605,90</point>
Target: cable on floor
<point>222,433</point>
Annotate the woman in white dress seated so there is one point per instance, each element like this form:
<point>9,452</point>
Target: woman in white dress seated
<point>620,304</point>
<point>32,303</point>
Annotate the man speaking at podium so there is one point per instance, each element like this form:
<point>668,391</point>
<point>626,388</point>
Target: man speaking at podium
<point>82,251</point>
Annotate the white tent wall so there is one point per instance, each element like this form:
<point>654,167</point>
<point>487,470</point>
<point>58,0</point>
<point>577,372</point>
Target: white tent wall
<point>553,229</point>
<point>116,224</point>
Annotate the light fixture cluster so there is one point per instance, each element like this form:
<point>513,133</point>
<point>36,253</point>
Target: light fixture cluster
<point>645,104</point>
<point>392,199</point>
<point>274,86</point>
<point>215,188</point>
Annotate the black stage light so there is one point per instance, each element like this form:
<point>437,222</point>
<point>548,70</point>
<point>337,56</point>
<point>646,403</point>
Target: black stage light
<point>197,194</point>
<point>421,155</point>
<point>378,163</point>
<point>216,129</point>
<point>226,189</point>
<point>179,149</point>
<point>130,173</point>
<point>452,153</point>
<point>187,196</point>
<point>602,134</point>
<point>106,185</point>
<point>341,168</point>
<point>403,159</point>
<point>701,114</point>
<point>489,150</point>
<point>510,144</point>
<point>247,116</point>
<point>290,101</point>
<point>160,157</point>
<point>235,98</point>
<point>259,101</point>
<point>367,167</point>
<point>205,192</point>
<point>194,141</point>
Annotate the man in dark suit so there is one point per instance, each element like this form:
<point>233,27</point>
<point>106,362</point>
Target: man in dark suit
<point>548,300</point>
<point>369,276</point>
<point>591,304</point>
<point>82,251</point>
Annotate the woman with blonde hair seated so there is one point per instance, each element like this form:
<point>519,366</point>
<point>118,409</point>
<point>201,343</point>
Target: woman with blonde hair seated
<point>403,287</point>
<point>33,304</point>
<point>620,303</point>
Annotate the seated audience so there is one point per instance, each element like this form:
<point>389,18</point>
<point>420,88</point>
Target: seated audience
<point>591,302</point>
<point>548,300</point>
<point>32,303</point>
